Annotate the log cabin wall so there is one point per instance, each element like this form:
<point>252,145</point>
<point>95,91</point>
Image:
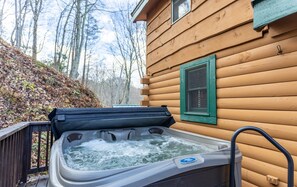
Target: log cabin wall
<point>256,82</point>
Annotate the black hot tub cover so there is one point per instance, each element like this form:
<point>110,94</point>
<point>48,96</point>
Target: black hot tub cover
<point>68,119</point>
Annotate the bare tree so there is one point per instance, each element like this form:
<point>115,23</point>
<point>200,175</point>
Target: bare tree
<point>60,38</point>
<point>36,6</point>
<point>21,10</point>
<point>71,37</point>
<point>77,40</point>
<point>91,33</point>
<point>82,12</point>
<point>128,50</point>
<point>2,16</point>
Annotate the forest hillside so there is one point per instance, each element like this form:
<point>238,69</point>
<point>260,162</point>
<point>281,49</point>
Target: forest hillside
<point>30,90</point>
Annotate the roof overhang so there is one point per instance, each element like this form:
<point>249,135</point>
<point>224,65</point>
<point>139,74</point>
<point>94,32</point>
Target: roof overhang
<point>266,12</point>
<point>142,8</point>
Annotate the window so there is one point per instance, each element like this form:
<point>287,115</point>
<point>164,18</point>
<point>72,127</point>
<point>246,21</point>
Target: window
<point>198,91</point>
<point>179,9</point>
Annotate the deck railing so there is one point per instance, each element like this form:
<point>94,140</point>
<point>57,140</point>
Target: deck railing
<point>24,149</point>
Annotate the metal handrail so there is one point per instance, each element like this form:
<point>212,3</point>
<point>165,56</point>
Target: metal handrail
<point>271,140</point>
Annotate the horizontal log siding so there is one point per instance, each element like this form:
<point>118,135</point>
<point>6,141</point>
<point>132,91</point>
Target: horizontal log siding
<point>188,21</point>
<point>195,18</point>
<point>255,86</point>
<point>245,183</point>
<point>275,158</point>
<point>258,179</point>
<point>222,21</point>
<point>154,14</point>
<point>234,37</point>
<point>274,109</point>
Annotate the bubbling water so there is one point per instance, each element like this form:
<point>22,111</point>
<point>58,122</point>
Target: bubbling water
<point>98,154</point>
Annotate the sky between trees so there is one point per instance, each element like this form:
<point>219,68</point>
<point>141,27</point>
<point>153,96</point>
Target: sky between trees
<point>93,41</point>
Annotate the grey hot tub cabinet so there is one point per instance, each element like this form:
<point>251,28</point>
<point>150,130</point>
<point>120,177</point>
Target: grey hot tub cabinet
<point>205,170</point>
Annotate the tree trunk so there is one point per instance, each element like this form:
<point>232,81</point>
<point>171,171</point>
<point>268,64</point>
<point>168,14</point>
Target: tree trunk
<point>1,16</point>
<point>17,24</point>
<point>75,61</point>
<point>58,53</point>
<point>34,44</point>
<point>85,61</point>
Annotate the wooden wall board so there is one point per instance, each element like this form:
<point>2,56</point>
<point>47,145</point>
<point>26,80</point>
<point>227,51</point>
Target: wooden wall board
<point>284,134</point>
<point>265,40</point>
<point>240,50</point>
<point>260,103</point>
<point>271,63</point>
<point>265,77</point>
<point>279,131</point>
<point>209,8</point>
<point>160,97</point>
<point>174,110</point>
<point>265,90</point>
<point>257,53</point>
<point>229,53</point>
<point>154,13</point>
<point>145,80</point>
<point>144,91</point>
<point>167,76</point>
<point>255,86</point>
<point>172,69</point>
<point>262,116</point>
<point>275,157</point>
<point>196,3</point>
<point>144,103</point>
<point>260,78</point>
<point>170,103</point>
<point>163,17</point>
<point>145,98</point>
<point>170,82</point>
<point>231,38</point>
<point>165,90</point>
<point>245,183</point>
<point>264,168</point>
<point>158,31</point>
<point>216,24</point>
<point>253,179</point>
<point>245,138</point>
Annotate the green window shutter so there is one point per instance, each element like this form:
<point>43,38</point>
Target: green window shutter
<point>268,11</point>
<point>198,101</point>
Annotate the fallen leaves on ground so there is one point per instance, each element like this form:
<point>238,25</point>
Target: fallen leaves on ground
<point>30,90</point>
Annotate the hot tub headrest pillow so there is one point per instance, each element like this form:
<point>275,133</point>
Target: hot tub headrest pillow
<point>69,119</point>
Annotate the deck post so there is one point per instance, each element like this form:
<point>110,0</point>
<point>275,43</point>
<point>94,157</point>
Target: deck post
<point>26,153</point>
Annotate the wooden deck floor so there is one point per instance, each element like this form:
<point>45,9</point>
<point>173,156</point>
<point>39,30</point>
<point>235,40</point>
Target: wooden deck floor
<point>40,181</point>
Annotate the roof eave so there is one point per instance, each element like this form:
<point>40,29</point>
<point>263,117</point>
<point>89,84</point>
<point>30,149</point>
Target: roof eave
<point>138,14</point>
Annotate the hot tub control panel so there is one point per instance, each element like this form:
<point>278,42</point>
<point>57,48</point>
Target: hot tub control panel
<point>190,160</point>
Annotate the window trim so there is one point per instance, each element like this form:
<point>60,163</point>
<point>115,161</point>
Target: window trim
<point>190,5</point>
<point>211,116</point>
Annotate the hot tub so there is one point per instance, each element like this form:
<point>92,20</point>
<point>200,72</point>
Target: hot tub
<point>135,155</point>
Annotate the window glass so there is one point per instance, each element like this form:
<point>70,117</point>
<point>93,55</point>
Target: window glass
<point>179,8</point>
<point>196,89</point>
<point>197,101</point>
